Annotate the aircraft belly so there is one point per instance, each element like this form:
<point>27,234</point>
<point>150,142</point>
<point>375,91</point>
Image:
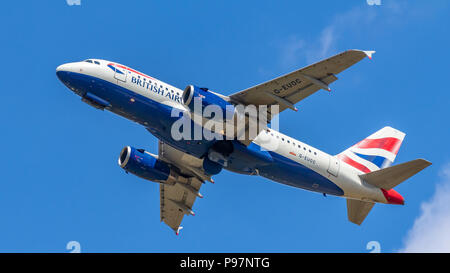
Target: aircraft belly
<point>289,172</point>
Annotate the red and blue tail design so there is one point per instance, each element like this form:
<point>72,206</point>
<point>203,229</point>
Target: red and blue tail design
<point>376,152</point>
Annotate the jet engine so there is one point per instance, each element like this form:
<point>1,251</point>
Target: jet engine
<point>216,113</point>
<point>208,98</point>
<point>209,109</point>
<point>144,164</point>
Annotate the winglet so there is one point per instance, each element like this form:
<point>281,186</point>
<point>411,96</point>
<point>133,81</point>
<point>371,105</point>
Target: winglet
<point>369,53</point>
<point>178,230</point>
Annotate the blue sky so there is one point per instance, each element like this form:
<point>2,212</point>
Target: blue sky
<point>60,180</point>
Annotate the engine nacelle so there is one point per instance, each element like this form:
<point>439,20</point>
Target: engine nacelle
<point>216,113</point>
<point>192,93</point>
<point>144,165</point>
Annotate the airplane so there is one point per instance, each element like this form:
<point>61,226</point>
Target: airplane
<point>362,173</point>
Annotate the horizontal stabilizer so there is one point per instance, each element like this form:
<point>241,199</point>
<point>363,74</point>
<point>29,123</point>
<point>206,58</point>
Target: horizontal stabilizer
<point>390,177</point>
<point>357,210</point>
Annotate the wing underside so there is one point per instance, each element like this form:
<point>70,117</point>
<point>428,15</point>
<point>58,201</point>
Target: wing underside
<point>177,199</point>
<point>176,202</point>
<point>293,87</point>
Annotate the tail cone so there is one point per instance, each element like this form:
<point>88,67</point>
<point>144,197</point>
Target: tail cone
<point>393,197</point>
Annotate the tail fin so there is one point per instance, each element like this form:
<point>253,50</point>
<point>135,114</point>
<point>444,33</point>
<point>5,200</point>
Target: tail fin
<point>375,152</point>
<point>373,156</point>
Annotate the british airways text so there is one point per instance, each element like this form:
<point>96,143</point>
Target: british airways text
<point>149,85</point>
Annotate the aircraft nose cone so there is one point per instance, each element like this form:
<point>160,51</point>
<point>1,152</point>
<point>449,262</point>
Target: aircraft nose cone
<point>63,67</point>
<point>63,73</point>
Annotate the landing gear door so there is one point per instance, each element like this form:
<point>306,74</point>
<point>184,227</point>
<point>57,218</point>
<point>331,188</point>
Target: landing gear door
<point>333,166</point>
<point>120,73</point>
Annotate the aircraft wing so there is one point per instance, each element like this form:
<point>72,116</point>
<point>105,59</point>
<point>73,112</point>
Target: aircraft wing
<point>178,199</point>
<point>291,88</point>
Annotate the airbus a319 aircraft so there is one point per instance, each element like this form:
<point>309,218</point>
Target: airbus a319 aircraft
<point>362,173</point>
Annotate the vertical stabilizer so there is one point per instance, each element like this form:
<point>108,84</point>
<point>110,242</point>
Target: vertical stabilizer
<point>375,152</point>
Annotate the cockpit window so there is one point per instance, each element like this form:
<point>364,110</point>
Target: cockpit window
<point>88,61</point>
<point>96,62</point>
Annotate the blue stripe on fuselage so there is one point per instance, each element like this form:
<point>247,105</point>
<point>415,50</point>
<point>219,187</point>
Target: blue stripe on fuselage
<point>156,117</point>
